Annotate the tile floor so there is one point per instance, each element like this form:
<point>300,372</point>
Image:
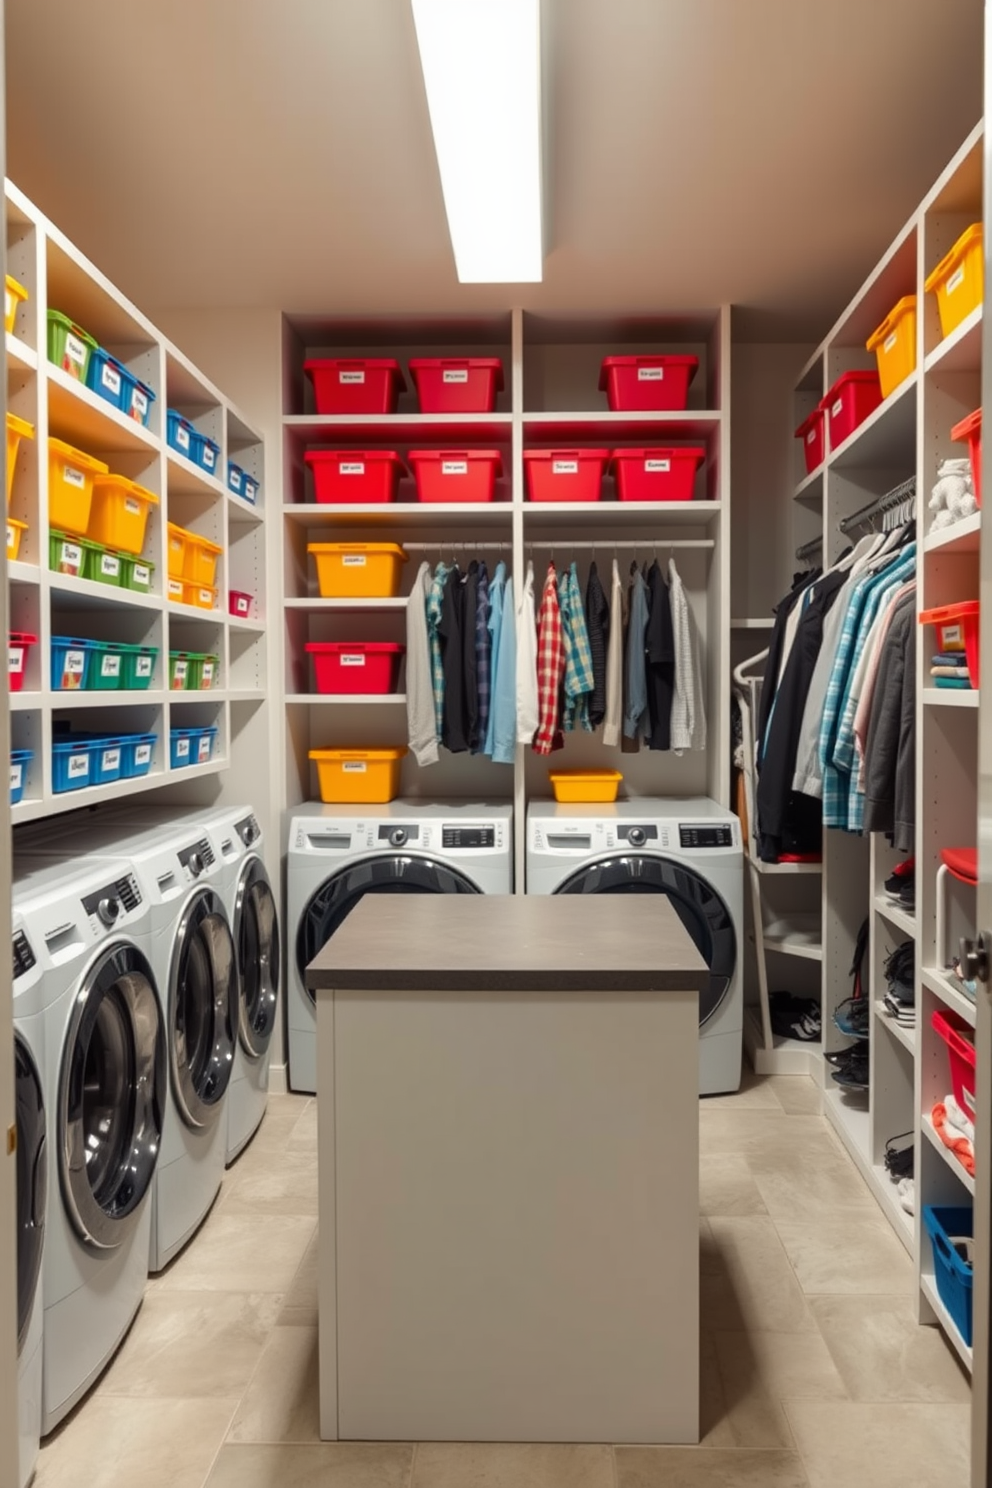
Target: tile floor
<point>814,1372</point>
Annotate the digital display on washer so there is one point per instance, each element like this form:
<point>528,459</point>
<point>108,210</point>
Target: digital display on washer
<point>706,836</point>
<point>468,836</point>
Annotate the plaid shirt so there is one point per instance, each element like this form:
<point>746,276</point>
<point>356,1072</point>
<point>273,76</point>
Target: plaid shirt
<point>550,666</point>
<point>434,600</point>
<point>578,654</point>
<point>483,655</point>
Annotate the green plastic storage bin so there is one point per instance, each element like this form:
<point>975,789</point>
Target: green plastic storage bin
<point>203,670</point>
<point>66,555</point>
<point>69,346</point>
<point>102,566</point>
<point>137,666</point>
<point>106,668</point>
<point>136,573</point>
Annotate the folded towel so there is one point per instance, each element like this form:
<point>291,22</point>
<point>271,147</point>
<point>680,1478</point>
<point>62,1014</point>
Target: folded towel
<point>959,1118</point>
<point>959,1145</point>
<point>950,671</point>
<point>960,683</point>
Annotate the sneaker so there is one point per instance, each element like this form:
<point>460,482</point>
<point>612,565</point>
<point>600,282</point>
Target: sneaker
<point>853,1074</point>
<point>853,1017</point>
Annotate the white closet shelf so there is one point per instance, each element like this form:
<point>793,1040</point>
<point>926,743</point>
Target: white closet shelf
<point>787,1056</point>
<point>928,1287</point>
<point>798,936</point>
<point>961,351</point>
<point>390,514</point>
<point>615,513</point>
<point>902,1223</point>
<point>242,513</point>
<point>756,623</point>
<point>962,537</point>
<point>886,439</point>
<point>849,1117</point>
<point>545,428</point>
<point>347,699</point>
<point>931,1133</point>
<point>899,1031</point>
<point>185,479</point>
<point>80,417</point>
<point>246,695</point>
<point>895,915</point>
<point>950,697</point>
<point>810,489</point>
<point>199,695</point>
<point>24,702</point>
<point>316,603</point>
<point>20,354</point>
<point>69,800</point>
<point>400,428</point>
<point>939,985</point>
<point>785,868</point>
<point>87,594</point>
<point>194,612</point>
<point>251,627</point>
<point>24,573</point>
<point>153,698</point>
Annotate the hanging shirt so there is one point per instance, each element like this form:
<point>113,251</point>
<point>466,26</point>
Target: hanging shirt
<point>483,656</point>
<point>598,626</point>
<point>451,630</point>
<point>435,600</point>
<point>421,725</point>
<point>874,651</point>
<point>527,699</point>
<point>890,758</point>
<point>688,711</point>
<point>636,703</point>
<point>614,664</point>
<point>550,666</point>
<point>660,672</point>
<point>578,657</point>
<point>503,712</point>
<point>470,673</point>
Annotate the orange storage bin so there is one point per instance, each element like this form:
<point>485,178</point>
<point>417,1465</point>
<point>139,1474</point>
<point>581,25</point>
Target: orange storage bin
<point>119,514</point>
<point>14,296</point>
<point>969,431</point>
<point>175,591</point>
<point>203,596</point>
<point>200,560</point>
<point>177,550</point>
<point>15,531</point>
<point>367,777</point>
<point>358,570</point>
<point>17,429</point>
<point>894,345</point>
<point>957,626</point>
<point>958,280</point>
<point>70,487</point>
<point>585,785</point>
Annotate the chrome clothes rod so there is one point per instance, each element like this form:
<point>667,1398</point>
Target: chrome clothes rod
<point>646,544</point>
<point>442,545</point>
<point>904,492</point>
<point>807,549</point>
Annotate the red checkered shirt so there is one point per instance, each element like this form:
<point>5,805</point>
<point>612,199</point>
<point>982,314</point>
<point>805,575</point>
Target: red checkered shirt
<point>550,667</point>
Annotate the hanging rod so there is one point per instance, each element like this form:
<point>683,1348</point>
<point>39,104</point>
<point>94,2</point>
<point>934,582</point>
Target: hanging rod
<point>608,545</point>
<point>461,547</point>
<point>807,549</point>
<point>885,503</point>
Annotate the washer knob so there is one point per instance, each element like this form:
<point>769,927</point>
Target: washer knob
<point>108,910</point>
<point>397,836</point>
<point>195,864</point>
<point>636,837</point>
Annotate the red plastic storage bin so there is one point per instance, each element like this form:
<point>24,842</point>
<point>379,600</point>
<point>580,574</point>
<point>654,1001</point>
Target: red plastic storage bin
<point>18,642</point>
<point>852,398</point>
<point>956,626</point>
<point>959,1038</point>
<point>962,862</point>
<point>565,475</point>
<point>356,666</point>
<point>812,434</point>
<point>657,474</point>
<point>239,603</point>
<point>969,431</point>
<point>457,384</point>
<point>363,476</point>
<point>456,475</point>
<point>355,384</point>
<point>655,383</point>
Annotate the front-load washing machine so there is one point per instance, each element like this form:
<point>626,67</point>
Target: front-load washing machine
<point>688,850</point>
<point>83,923</point>
<point>32,1193</point>
<point>338,854</point>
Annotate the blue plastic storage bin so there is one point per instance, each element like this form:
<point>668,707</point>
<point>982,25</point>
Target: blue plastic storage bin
<point>235,478</point>
<point>106,758</point>
<point>20,764</point>
<point>206,453</point>
<point>70,663</point>
<point>952,1274</point>
<point>136,398</point>
<point>190,746</point>
<point>180,434</point>
<point>251,489</point>
<point>72,764</point>
<point>138,755</point>
<point>105,377</point>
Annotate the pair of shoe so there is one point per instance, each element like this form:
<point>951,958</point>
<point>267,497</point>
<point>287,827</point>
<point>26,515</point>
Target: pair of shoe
<point>853,1017</point>
<point>901,883</point>
<point>795,1017</point>
<point>899,1156</point>
<point>850,1067</point>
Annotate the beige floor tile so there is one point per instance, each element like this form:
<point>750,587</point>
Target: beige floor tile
<point>744,1132</point>
<point>884,1446</point>
<point>747,1282</point>
<point>286,1187</point>
<point>714,1423</point>
<point>727,1187</point>
<point>759,1371</point>
<point>329,1465</point>
<point>853,1253</point>
<point>504,1465</point>
<point>300,1302</point>
<point>303,1137</point>
<point>813,1182</point>
<point>282,1402</point>
<point>192,1345</point>
<point>884,1355</point>
<point>754,1094</point>
<point>229,1255</point>
<point>690,1467</point>
<point>798,1095</point>
<point>112,1442</point>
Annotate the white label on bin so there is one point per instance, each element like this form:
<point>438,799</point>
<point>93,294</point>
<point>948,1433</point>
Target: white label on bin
<point>182,748</point>
<point>354,767</point>
<point>182,437</point>
<point>73,477</point>
<point>455,374</point>
<point>454,467</point>
<point>650,374</point>
<point>234,480</point>
<point>139,403</point>
<point>889,343</point>
<point>657,467</point>
<point>836,407</point>
<point>242,604</point>
<point>110,759</point>
<point>203,748</point>
<point>75,351</point>
<point>209,456</point>
<point>207,598</point>
<point>142,754</point>
<point>564,467</point>
<point>143,666</point>
<point>179,670</point>
<point>251,489</point>
<point>348,658</point>
<point>11,537</point>
<point>110,665</point>
<point>111,379</point>
<point>72,669</point>
<point>351,467</point>
<point>353,560</point>
<point>70,558</point>
<point>141,574</point>
<point>79,765</point>
<point>15,659</point>
<point>16,773</point>
<point>175,589</point>
<point>110,566</point>
<point>132,506</point>
<point>955,281</point>
<point>951,638</point>
<point>351,377</point>
<point>207,673</point>
<point>811,436</point>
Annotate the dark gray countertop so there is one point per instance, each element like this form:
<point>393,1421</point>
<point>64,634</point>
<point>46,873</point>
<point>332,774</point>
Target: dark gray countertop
<point>510,943</point>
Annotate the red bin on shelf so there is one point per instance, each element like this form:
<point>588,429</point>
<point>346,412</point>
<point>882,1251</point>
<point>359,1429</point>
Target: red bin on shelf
<point>853,397</point>
<point>456,475</point>
<point>356,666</point>
<point>565,475</point>
<point>957,626</point>
<point>959,1037</point>
<point>813,435</point>
<point>239,603</point>
<point>18,642</point>
<point>652,383</point>
<point>969,431</point>
<point>457,384</point>
<point>657,474</point>
<point>355,384</point>
<point>362,476</point>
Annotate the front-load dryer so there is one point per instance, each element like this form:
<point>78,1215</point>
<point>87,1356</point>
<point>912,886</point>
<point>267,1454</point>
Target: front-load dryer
<point>338,854</point>
<point>688,850</point>
<point>31,1170</point>
<point>83,925</point>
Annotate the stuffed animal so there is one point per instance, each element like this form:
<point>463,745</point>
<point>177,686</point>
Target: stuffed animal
<point>953,496</point>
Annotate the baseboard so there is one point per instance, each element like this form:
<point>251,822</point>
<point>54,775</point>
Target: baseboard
<point>278,1080</point>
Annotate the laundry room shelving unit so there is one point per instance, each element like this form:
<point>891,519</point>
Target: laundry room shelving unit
<point>44,602</point>
<point>909,434</point>
<point>550,400</point>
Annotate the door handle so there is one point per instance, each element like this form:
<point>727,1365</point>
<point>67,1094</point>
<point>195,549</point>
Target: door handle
<point>976,958</point>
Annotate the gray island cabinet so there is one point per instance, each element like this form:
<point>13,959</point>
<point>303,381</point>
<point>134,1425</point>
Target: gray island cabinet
<point>509,1170</point>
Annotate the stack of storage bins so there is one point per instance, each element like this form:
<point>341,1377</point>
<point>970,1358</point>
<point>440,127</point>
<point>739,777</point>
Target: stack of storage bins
<point>192,568</point>
<point>81,357</point>
<point>17,429</point>
<point>97,520</point>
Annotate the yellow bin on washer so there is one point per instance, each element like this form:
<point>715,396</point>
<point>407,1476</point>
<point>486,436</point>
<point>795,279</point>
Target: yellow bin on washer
<point>17,429</point>
<point>358,570</point>
<point>70,487</point>
<point>119,513</point>
<point>894,345</point>
<point>366,777</point>
<point>585,785</point>
<point>958,280</point>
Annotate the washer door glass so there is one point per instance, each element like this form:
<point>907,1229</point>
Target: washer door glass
<point>32,1180</point>
<point>333,902</point>
<point>203,1010</point>
<point>111,1096</point>
<point>257,937</point>
<point>698,905</point>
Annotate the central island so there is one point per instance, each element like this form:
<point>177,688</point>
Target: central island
<point>508,1169</point>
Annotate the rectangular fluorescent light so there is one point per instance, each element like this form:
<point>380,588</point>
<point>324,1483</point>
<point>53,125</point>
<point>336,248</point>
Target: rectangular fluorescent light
<point>482,72</point>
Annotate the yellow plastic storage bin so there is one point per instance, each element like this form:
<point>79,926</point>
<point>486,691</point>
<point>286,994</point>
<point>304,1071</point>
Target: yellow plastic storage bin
<point>958,280</point>
<point>70,487</point>
<point>203,596</point>
<point>175,591</point>
<point>119,513</point>
<point>894,345</point>
<point>585,785</point>
<point>177,550</point>
<point>358,570</point>
<point>200,562</point>
<point>17,429</point>
<point>366,777</point>
<point>15,531</point>
<point>14,296</point>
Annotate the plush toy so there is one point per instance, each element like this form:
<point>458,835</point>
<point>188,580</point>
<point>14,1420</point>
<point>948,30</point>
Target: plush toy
<point>953,496</point>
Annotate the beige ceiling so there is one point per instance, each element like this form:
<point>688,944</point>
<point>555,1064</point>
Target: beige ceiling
<point>278,152</point>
